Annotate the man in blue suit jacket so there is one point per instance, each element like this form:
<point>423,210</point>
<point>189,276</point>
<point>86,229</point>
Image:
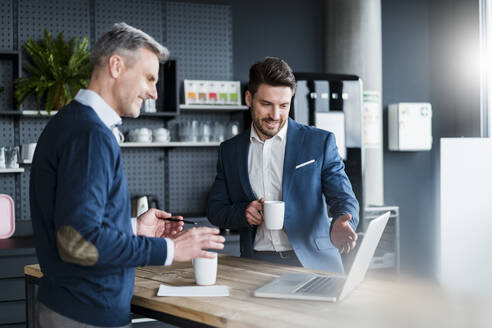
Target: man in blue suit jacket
<point>280,159</point>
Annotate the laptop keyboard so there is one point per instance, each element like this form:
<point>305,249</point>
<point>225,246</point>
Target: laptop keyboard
<point>316,285</point>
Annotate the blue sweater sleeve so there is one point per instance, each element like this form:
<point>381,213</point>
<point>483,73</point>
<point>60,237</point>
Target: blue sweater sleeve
<point>86,173</point>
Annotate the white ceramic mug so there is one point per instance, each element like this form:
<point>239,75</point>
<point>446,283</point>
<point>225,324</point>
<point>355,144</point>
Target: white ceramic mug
<point>141,135</point>
<point>205,270</point>
<point>273,214</point>
<point>161,135</point>
<point>27,151</point>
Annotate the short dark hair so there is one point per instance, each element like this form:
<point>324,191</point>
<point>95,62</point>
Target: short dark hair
<point>272,71</point>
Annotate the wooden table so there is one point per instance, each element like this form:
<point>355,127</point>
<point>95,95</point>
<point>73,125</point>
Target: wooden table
<point>375,303</point>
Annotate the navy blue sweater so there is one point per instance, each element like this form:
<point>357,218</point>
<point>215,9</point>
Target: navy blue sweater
<point>80,211</point>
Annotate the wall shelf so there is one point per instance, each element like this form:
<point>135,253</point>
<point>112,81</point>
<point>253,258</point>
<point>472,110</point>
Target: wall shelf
<point>11,112</point>
<point>168,144</point>
<point>8,53</point>
<point>37,113</point>
<point>44,114</point>
<point>145,145</point>
<point>28,113</point>
<point>158,114</point>
<point>7,80</point>
<point>213,108</point>
<point>17,170</point>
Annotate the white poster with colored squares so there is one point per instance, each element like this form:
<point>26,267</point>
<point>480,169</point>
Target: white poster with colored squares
<point>200,92</point>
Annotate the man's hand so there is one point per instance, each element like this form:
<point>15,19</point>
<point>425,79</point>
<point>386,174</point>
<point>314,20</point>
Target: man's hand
<point>342,236</point>
<point>192,243</point>
<point>151,224</point>
<point>253,212</point>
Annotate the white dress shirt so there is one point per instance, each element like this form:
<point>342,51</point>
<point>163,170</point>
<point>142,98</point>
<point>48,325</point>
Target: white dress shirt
<point>111,119</point>
<point>265,170</point>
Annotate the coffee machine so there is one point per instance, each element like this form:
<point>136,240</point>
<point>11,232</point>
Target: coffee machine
<point>333,102</point>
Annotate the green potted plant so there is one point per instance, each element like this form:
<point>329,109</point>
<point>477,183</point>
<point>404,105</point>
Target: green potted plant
<point>57,71</point>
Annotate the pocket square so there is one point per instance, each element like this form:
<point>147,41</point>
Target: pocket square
<point>304,164</point>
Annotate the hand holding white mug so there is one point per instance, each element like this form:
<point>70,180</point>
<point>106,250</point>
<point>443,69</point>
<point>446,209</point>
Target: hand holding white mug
<point>253,212</point>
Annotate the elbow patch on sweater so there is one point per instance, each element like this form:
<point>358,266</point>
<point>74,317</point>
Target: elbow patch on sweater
<point>74,248</point>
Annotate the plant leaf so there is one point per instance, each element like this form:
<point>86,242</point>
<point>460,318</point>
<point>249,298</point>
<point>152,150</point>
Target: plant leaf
<point>56,69</point>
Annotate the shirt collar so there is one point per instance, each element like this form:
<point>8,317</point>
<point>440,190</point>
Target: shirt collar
<point>105,112</point>
<point>281,134</point>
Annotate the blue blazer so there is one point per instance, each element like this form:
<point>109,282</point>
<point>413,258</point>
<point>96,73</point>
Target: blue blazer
<point>306,191</point>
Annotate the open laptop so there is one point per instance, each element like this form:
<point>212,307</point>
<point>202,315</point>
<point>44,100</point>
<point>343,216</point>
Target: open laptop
<point>306,286</point>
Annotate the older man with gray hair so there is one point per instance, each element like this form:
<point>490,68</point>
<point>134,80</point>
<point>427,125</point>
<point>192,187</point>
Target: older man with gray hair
<point>87,245</point>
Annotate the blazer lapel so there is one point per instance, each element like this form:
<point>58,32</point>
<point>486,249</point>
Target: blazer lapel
<point>242,165</point>
<point>294,140</point>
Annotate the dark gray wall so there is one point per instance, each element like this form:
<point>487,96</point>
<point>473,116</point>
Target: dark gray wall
<point>408,176</point>
<point>292,30</point>
<point>427,47</point>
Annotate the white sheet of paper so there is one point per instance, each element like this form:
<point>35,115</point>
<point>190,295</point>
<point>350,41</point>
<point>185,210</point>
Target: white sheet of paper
<point>194,291</point>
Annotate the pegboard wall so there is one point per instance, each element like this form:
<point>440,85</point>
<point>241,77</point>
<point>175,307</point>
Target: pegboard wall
<point>22,204</point>
<point>145,15</point>
<point>7,181</point>
<point>199,37</point>
<point>6,77</point>
<point>30,129</point>
<point>6,131</point>
<point>144,169</point>
<point>191,174</point>
<point>70,17</point>
<point>6,25</point>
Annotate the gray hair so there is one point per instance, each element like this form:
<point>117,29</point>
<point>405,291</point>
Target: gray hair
<point>124,40</point>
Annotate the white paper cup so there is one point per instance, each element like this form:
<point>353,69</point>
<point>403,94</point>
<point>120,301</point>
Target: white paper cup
<point>205,270</point>
<point>149,106</point>
<point>273,214</point>
<point>27,151</point>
